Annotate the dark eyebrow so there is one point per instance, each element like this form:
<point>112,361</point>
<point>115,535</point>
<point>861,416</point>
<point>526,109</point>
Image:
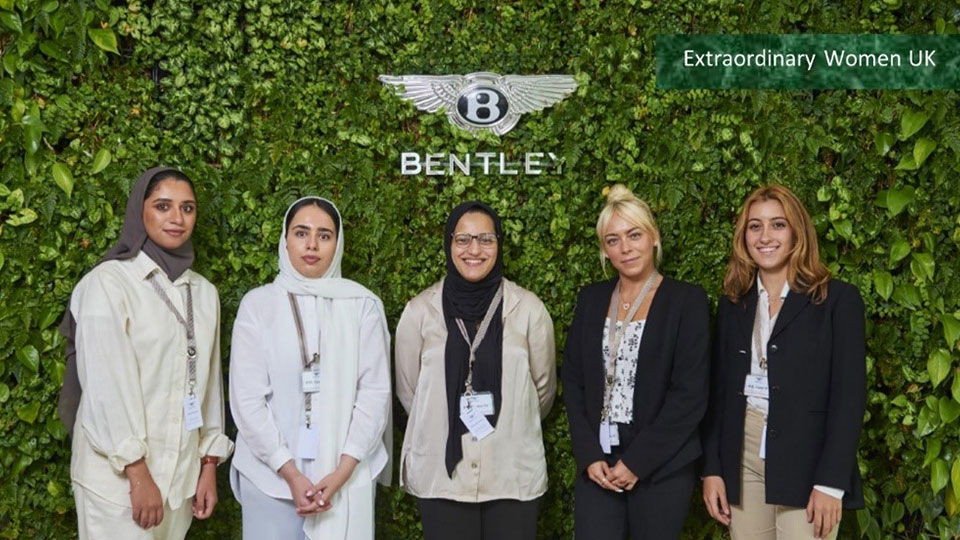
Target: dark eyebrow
<point>308,228</point>
<point>163,199</point>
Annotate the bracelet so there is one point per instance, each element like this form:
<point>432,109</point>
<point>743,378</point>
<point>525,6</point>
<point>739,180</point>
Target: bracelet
<point>209,459</point>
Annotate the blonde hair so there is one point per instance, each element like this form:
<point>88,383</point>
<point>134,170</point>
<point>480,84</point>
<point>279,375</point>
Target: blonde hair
<point>622,201</point>
<point>805,273</point>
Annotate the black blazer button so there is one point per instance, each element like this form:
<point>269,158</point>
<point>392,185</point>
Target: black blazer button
<point>771,433</point>
<point>773,348</point>
<point>774,388</point>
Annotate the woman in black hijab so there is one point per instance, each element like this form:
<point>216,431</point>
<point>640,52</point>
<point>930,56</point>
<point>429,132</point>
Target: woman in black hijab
<point>142,395</point>
<point>476,374</point>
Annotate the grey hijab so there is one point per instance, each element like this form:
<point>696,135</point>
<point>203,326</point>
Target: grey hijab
<point>133,239</point>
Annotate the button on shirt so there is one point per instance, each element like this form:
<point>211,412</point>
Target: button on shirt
<point>132,365</point>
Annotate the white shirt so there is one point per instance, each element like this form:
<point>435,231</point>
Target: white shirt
<point>266,397</point>
<point>132,364</point>
<point>625,376</point>
<point>767,324</point>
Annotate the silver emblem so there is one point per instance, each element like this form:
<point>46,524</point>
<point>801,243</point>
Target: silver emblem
<point>482,100</point>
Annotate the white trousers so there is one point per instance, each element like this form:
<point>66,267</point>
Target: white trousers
<point>98,518</point>
<point>267,518</point>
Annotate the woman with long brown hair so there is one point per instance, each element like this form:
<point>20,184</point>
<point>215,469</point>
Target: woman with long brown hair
<point>788,385</point>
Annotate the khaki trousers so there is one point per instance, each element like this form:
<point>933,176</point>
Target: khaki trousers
<point>753,518</point>
<point>100,519</point>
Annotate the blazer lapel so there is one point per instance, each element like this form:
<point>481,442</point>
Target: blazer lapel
<point>596,336</point>
<point>746,311</point>
<point>652,335</point>
<point>792,307</point>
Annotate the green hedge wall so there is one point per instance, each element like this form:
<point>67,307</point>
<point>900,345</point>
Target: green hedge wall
<point>264,100</point>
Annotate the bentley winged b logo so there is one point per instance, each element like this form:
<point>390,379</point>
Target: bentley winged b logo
<point>482,100</point>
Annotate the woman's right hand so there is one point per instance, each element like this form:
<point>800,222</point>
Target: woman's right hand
<point>301,488</point>
<point>598,472</point>
<point>145,496</point>
<point>715,499</point>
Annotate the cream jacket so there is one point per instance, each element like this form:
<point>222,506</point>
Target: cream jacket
<point>509,463</point>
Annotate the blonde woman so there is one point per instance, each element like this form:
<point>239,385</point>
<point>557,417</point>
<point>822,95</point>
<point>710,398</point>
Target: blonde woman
<point>789,382</point>
<point>635,384</point>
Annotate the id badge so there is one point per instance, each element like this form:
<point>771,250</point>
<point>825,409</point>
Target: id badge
<point>763,442</point>
<point>476,423</point>
<point>310,381</point>
<point>481,402</point>
<point>605,442</point>
<point>756,386</point>
<point>308,442</point>
<point>193,418</point>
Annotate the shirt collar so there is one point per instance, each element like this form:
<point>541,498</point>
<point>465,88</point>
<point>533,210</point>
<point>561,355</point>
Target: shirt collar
<point>143,266</point>
<point>763,291</point>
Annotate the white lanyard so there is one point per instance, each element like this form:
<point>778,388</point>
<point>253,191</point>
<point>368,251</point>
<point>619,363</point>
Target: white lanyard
<point>311,365</point>
<point>481,333</point>
<point>187,325</point>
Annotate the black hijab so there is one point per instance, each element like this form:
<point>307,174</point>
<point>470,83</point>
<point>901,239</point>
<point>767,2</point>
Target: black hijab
<point>133,239</point>
<point>469,301</point>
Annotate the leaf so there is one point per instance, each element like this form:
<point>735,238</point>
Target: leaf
<point>54,489</point>
<point>898,199</point>
<point>922,149</point>
<point>884,142</point>
<point>28,413</point>
<point>883,283</point>
<point>4,393</point>
<point>933,451</point>
<point>949,409</point>
<point>12,21</point>
<point>29,357</point>
<point>950,505</point>
<point>899,250</point>
<point>2,260</point>
<point>955,476</point>
<point>6,4</point>
<point>939,475</point>
<point>951,327</point>
<point>926,263</point>
<point>938,366</point>
<point>101,160</point>
<point>104,38</point>
<point>911,123</point>
<point>927,420</point>
<point>63,177</point>
<point>23,217</point>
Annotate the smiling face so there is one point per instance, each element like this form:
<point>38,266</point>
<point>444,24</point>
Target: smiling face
<point>629,247</point>
<point>311,241</point>
<point>170,213</point>
<point>476,259</point>
<point>769,236</point>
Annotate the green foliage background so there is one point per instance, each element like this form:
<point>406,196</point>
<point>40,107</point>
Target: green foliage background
<point>263,100</point>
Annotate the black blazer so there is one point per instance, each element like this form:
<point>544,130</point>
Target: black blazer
<point>672,378</point>
<point>817,371</point>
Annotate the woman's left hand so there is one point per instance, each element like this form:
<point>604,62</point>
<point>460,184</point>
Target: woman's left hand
<point>824,512</point>
<point>206,497</point>
<point>329,485</point>
<point>621,476</point>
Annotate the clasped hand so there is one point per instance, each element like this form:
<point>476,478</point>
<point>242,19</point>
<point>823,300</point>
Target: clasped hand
<point>617,478</point>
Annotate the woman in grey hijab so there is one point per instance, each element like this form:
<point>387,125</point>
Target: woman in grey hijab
<point>142,395</point>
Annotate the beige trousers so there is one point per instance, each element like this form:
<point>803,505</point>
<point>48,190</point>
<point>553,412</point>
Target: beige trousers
<point>753,518</point>
<point>100,519</point>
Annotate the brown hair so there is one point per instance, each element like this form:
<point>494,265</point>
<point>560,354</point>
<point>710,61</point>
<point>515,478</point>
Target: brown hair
<point>805,273</point>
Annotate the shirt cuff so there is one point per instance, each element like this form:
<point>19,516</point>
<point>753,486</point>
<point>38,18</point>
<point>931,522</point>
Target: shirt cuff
<point>216,445</point>
<point>128,451</point>
<point>278,458</point>
<point>354,451</point>
<point>833,492</point>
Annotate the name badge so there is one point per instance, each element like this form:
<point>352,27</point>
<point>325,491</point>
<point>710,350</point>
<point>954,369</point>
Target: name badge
<point>193,418</point>
<point>763,442</point>
<point>310,380</point>
<point>756,386</point>
<point>308,442</point>
<point>609,436</point>
<point>481,402</point>
<point>476,423</point>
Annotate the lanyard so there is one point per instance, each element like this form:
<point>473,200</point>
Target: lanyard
<point>311,363</point>
<point>615,336</point>
<point>481,332</point>
<point>187,325</point>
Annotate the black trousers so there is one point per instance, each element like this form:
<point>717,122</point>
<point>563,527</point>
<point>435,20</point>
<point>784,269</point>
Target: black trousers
<point>502,519</point>
<point>650,511</point>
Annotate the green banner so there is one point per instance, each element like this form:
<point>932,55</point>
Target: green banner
<point>808,61</point>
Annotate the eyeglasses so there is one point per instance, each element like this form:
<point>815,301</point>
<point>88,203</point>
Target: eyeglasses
<point>462,240</point>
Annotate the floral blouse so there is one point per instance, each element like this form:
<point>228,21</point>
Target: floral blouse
<point>624,380</point>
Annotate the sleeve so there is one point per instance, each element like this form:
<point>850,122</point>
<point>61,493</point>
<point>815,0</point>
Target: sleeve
<point>249,389</point>
<point>583,435</point>
<point>372,407</point>
<point>686,400</point>
<point>848,392</point>
<point>213,442</point>
<point>713,421</point>
<point>113,418</point>
<point>833,492</point>
<point>408,348</point>
<point>543,357</point>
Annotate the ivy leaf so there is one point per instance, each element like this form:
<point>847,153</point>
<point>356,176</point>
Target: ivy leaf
<point>938,366</point>
<point>949,410</point>
<point>4,393</point>
<point>899,250</point>
<point>28,413</point>
<point>922,149</point>
<point>927,420</point>
<point>951,327</point>
<point>23,217</point>
<point>951,506</point>
<point>104,38</point>
<point>883,141</point>
<point>63,177</point>
<point>933,451</point>
<point>907,163</point>
<point>101,160</point>
<point>12,21</point>
<point>883,283</point>
<point>898,199</point>
<point>925,266</point>
<point>911,123</point>
<point>29,357</point>
<point>939,475</point>
<point>955,476</point>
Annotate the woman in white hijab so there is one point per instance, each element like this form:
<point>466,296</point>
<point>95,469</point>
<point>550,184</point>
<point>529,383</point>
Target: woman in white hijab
<point>310,391</point>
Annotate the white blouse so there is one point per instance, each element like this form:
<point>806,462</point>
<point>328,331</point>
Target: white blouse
<point>266,397</point>
<point>624,379</point>
<point>132,364</point>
